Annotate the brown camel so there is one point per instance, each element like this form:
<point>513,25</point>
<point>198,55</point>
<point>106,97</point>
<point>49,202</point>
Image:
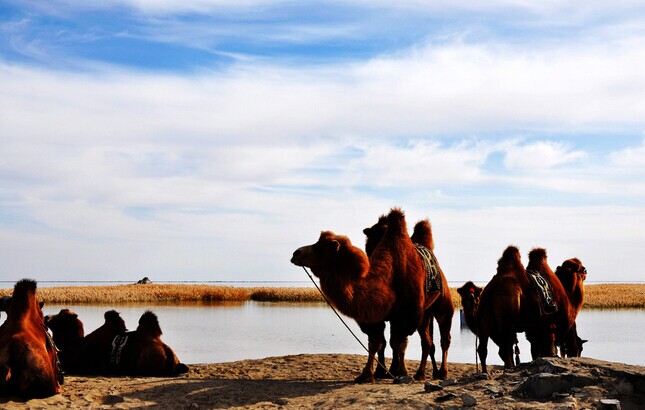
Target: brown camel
<point>387,287</point>
<point>442,309</point>
<point>28,361</point>
<point>545,329</point>
<point>68,334</point>
<point>110,350</point>
<point>572,275</point>
<point>494,312</point>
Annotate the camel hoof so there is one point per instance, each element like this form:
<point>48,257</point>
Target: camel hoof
<point>420,376</point>
<point>364,378</point>
<point>382,374</point>
<point>440,374</point>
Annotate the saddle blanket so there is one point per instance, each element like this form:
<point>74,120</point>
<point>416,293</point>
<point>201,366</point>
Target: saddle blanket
<point>433,277</point>
<point>544,291</point>
<point>118,344</point>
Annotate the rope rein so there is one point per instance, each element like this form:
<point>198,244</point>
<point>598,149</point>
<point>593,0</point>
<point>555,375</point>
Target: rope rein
<point>344,323</point>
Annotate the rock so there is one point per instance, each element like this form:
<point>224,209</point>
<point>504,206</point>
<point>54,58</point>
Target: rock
<point>404,380</point>
<point>281,402</point>
<point>448,382</point>
<point>431,387</point>
<point>468,400</point>
<point>623,386</point>
<point>445,397</point>
<point>112,399</point>
<point>609,404</point>
<point>543,385</point>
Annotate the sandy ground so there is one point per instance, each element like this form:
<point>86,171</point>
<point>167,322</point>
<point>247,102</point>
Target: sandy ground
<point>325,382</point>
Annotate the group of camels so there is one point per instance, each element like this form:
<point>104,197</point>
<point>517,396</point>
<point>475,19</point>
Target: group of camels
<point>389,283</point>
<point>32,363</point>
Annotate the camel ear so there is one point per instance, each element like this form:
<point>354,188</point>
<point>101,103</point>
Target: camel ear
<point>367,231</point>
<point>583,341</point>
<point>74,316</point>
<point>336,245</point>
<point>41,304</point>
<point>478,291</point>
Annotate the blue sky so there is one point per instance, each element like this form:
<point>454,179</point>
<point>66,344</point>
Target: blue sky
<point>207,140</point>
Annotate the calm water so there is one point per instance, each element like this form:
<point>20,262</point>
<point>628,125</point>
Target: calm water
<point>234,331</point>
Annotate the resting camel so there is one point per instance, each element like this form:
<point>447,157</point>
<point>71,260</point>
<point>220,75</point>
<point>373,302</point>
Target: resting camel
<point>572,275</point>
<point>442,309</point>
<point>387,287</point>
<point>494,312</point>
<point>28,360</point>
<point>110,350</point>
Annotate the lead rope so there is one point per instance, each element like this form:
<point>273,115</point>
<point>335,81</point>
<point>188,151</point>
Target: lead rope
<point>476,358</point>
<point>343,322</point>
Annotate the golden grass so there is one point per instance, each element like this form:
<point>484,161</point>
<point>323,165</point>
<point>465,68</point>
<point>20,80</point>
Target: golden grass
<point>598,296</point>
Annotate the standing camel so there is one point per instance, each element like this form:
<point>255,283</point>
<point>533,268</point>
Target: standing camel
<point>441,309</point>
<point>494,312</point>
<point>572,274</point>
<point>387,287</point>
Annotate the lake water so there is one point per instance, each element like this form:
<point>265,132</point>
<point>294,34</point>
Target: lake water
<point>250,330</point>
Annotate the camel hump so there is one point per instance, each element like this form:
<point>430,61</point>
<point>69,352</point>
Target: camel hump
<point>422,234</point>
<point>25,286</point>
<point>396,221</point>
<point>537,255</point>
<point>114,320</point>
<point>23,291</point>
<point>149,325</point>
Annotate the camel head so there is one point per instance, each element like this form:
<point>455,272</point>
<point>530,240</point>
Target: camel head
<point>331,254</point>
<point>571,270</point>
<point>470,294</point>
<point>374,234</point>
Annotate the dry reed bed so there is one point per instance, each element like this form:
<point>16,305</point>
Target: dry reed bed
<point>606,296</point>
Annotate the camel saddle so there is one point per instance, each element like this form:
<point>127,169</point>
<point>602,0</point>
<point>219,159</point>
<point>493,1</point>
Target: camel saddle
<point>433,276</point>
<point>118,345</point>
<point>543,289</point>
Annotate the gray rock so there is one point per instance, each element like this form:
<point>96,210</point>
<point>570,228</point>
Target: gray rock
<point>623,386</point>
<point>468,400</point>
<point>609,404</point>
<point>431,387</point>
<point>448,382</point>
<point>543,385</point>
<point>404,380</point>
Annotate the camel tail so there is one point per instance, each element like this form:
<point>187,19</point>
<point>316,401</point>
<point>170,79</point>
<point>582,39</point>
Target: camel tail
<point>149,325</point>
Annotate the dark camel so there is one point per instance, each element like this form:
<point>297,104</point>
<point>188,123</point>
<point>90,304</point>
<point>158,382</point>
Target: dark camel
<point>572,275</point>
<point>494,312</point>
<point>442,309</point>
<point>387,287</point>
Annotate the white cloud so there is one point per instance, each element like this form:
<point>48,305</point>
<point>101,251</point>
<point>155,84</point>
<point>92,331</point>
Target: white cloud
<point>540,155</point>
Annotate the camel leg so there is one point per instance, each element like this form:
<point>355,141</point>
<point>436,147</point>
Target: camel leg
<point>445,323</point>
<point>427,347</point>
<point>482,350</point>
<point>375,338</point>
<point>398,348</point>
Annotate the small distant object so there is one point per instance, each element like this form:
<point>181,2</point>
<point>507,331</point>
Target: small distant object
<point>144,281</point>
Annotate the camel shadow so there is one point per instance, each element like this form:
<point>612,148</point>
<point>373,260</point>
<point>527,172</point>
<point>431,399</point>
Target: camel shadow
<point>224,393</point>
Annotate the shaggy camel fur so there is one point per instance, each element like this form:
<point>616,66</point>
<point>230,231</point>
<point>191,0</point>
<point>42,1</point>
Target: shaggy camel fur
<point>387,287</point>
<point>28,361</point>
<point>441,309</point>
<point>495,312</point>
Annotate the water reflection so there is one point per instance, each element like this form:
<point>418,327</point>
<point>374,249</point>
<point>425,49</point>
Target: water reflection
<point>229,331</point>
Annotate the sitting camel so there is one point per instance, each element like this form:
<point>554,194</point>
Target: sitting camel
<point>28,361</point>
<point>572,275</point>
<point>494,312</point>
<point>110,350</point>
<point>442,308</point>
<point>387,287</point>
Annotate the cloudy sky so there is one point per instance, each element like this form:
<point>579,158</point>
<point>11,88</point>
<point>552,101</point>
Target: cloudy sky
<point>206,140</point>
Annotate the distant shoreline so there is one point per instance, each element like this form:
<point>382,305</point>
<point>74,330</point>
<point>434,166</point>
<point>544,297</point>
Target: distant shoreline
<point>597,296</point>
